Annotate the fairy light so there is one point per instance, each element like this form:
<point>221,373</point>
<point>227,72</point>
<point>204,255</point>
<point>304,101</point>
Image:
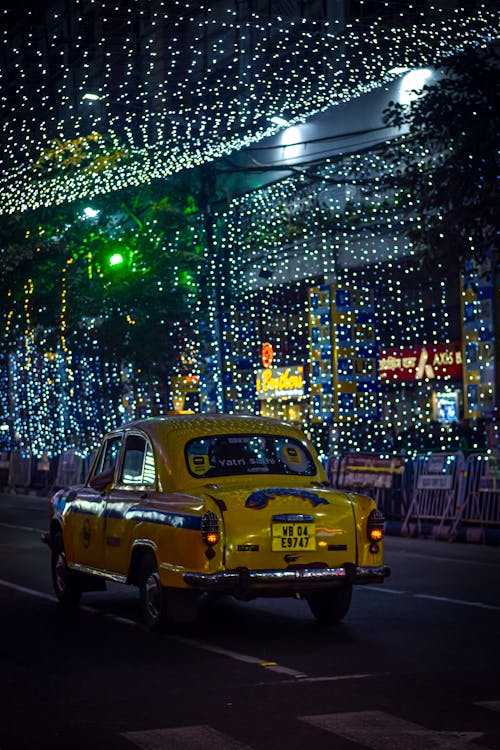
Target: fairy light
<point>185,108</point>
<point>161,120</point>
<point>295,239</point>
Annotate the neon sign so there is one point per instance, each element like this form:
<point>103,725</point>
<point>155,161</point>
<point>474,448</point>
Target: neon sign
<point>267,354</point>
<point>278,382</point>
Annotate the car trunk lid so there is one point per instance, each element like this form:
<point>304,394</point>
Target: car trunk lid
<point>276,527</point>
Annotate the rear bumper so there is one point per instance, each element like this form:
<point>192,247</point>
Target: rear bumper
<point>293,580</point>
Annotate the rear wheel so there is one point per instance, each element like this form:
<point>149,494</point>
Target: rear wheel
<point>152,595</point>
<point>66,585</point>
<point>330,606</point>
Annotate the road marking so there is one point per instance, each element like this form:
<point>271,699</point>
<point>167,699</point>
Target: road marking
<point>440,558</point>
<point>24,590</point>
<point>339,677</point>
<point>447,599</point>
<point>491,705</point>
<point>257,660</point>
<point>184,738</point>
<point>326,678</point>
<point>22,528</point>
<point>378,730</point>
<point>462,602</point>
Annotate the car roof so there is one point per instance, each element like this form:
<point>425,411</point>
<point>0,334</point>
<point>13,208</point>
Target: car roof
<point>210,424</point>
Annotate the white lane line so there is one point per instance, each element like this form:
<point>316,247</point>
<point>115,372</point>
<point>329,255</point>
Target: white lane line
<point>327,678</point>
<point>461,602</point>
<point>22,528</point>
<point>24,590</point>
<point>490,705</point>
<point>339,677</point>
<point>271,666</point>
<point>439,558</point>
<point>446,599</point>
<point>198,737</point>
<point>268,665</point>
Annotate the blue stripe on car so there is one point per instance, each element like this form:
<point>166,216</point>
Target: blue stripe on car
<point>149,515</point>
<point>178,520</point>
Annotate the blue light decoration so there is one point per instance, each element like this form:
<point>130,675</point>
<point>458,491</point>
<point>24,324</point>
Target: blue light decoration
<point>355,356</point>
<point>478,304</point>
<point>209,87</point>
<point>320,354</point>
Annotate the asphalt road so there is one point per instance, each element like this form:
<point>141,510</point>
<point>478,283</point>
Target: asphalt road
<point>414,666</point>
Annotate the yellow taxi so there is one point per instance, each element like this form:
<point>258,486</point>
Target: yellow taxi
<point>185,505</point>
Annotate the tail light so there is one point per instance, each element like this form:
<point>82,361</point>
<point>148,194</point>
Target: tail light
<point>375,526</point>
<point>210,531</point>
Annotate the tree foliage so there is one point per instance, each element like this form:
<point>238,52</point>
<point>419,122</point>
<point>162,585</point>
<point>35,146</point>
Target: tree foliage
<point>449,161</point>
<point>121,277</point>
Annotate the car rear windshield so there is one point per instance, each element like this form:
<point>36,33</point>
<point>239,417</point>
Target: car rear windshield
<point>223,455</point>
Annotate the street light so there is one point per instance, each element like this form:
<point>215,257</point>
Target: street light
<point>277,120</point>
<point>116,259</point>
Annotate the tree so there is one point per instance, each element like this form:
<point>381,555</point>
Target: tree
<point>116,279</point>
<point>449,161</point>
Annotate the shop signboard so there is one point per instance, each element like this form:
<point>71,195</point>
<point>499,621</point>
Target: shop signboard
<point>369,472</point>
<point>446,406</point>
<point>280,382</point>
<point>431,361</point>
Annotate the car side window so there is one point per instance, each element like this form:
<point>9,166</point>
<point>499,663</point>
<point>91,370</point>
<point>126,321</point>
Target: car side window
<point>138,466</point>
<point>106,463</point>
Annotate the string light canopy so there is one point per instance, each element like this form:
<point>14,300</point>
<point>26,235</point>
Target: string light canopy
<point>204,85</point>
<point>283,241</point>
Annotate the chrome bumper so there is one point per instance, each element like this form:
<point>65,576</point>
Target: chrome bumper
<point>293,579</point>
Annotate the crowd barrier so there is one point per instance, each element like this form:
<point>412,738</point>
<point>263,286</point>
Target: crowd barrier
<point>436,485</point>
<point>20,472</point>
<point>380,476</point>
<point>440,494</point>
<point>69,469</point>
<point>477,515</point>
<point>443,495</point>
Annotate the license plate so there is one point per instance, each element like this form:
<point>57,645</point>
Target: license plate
<point>286,536</point>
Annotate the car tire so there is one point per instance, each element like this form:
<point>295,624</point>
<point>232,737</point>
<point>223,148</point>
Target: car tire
<point>64,580</point>
<point>331,606</point>
<point>153,596</point>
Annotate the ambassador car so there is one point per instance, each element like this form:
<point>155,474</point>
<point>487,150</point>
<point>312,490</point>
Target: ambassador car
<point>187,505</point>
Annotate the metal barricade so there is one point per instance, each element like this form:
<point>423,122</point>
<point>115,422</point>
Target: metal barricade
<point>19,471</point>
<point>436,486</point>
<point>4,469</point>
<point>478,506</point>
<point>69,469</point>
<point>381,476</point>
<point>41,473</point>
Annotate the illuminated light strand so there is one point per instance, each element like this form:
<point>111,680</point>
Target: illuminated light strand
<point>230,102</point>
<point>300,232</point>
